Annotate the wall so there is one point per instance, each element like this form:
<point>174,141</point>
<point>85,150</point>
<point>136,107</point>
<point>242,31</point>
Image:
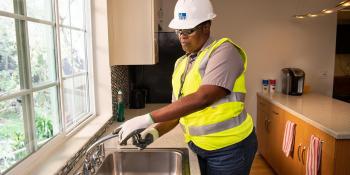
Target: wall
<point>273,40</point>
<point>102,70</point>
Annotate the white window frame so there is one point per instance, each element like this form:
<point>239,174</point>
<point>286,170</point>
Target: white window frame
<point>64,132</point>
<point>89,55</point>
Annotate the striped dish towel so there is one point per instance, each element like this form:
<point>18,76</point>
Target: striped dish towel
<point>288,139</point>
<point>314,155</point>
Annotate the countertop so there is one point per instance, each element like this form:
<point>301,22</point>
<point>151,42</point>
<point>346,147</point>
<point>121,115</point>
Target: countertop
<point>325,113</point>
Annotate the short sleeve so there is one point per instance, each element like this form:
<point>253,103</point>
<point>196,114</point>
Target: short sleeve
<point>224,66</point>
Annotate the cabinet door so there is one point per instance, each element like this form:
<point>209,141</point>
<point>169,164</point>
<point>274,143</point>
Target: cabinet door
<point>261,126</point>
<point>328,149</point>
<point>275,128</point>
<point>269,132</point>
<point>131,31</point>
<point>292,165</point>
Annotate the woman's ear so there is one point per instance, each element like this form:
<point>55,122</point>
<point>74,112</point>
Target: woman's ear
<point>206,27</point>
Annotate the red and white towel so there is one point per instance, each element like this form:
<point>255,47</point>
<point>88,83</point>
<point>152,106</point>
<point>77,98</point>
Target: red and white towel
<point>314,155</point>
<point>288,139</point>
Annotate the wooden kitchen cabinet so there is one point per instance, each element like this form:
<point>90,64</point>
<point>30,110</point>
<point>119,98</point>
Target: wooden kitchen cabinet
<point>270,130</point>
<point>270,121</point>
<point>132,32</point>
<point>296,164</point>
<point>261,126</point>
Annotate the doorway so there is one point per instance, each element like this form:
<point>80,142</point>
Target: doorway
<point>341,83</point>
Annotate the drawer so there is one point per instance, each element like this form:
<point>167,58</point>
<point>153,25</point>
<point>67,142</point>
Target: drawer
<point>263,104</point>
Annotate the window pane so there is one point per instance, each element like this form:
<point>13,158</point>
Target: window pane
<point>66,52</point>
<point>76,99</point>
<point>41,53</point>
<point>12,136</point>
<point>6,5</point>
<point>9,72</point>
<point>78,51</point>
<point>68,102</point>
<point>41,9</point>
<point>77,13</point>
<point>63,6</point>
<point>46,114</point>
<point>81,99</point>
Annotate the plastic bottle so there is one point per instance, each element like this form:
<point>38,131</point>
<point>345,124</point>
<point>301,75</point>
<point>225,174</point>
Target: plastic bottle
<point>265,86</point>
<point>272,86</point>
<point>120,107</point>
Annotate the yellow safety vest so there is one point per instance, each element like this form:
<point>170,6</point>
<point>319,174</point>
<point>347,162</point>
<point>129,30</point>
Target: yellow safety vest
<point>223,123</point>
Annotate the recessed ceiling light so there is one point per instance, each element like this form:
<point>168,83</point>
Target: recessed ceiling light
<point>327,11</point>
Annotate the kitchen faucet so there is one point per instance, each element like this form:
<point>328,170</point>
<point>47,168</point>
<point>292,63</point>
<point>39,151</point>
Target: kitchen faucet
<point>95,158</point>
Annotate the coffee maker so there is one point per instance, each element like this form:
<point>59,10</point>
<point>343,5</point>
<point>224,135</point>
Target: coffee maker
<point>293,81</point>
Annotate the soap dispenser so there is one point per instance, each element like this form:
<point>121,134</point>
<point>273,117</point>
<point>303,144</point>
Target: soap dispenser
<point>119,107</point>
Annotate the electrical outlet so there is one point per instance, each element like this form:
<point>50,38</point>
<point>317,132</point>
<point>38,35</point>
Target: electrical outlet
<point>324,74</point>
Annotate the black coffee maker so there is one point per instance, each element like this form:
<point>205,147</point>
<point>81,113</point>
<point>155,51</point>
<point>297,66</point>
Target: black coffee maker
<point>293,81</point>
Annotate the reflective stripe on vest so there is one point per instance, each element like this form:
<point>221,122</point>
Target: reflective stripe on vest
<point>233,97</point>
<point>217,127</point>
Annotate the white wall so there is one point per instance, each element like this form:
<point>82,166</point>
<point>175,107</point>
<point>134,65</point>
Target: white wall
<point>102,70</point>
<point>274,40</point>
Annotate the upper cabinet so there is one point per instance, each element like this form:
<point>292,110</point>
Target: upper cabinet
<point>132,32</point>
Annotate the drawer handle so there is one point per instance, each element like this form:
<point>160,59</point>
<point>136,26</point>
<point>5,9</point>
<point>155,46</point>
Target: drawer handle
<point>303,155</point>
<point>299,152</point>
<point>267,123</point>
<point>276,113</point>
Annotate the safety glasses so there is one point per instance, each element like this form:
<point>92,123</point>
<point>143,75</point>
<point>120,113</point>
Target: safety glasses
<point>186,31</point>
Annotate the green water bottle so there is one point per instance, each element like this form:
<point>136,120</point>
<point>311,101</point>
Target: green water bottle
<point>120,107</point>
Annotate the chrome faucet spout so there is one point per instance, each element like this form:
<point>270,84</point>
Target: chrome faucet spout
<point>93,159</point>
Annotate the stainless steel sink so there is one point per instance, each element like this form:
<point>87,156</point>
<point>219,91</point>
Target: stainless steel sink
<point>160,161</point>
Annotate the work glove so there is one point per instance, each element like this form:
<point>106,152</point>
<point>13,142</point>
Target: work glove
<point>132,127</point>
<point>145,138</point>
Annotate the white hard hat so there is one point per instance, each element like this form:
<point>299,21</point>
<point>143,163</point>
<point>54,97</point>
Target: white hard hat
<point>189,13</point>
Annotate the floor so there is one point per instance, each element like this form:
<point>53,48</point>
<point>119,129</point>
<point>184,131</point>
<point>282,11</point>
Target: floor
<point>260,167</point>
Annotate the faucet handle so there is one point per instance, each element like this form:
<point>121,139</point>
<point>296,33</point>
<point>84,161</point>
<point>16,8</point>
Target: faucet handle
<point>99,155</point>
<point>101,150</point>
<point>87,167</point>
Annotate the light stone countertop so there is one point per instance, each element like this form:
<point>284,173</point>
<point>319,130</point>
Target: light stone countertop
<point>325,113</point>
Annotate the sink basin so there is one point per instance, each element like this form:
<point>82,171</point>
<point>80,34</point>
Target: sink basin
<point>160,161</point>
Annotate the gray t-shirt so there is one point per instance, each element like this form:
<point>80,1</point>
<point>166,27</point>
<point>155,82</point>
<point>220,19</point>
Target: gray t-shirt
<point>225,65</point>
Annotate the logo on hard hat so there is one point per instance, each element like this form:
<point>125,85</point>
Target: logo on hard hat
<point>182,16</point>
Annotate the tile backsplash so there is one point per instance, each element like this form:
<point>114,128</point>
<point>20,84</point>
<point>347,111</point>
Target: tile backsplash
<point>120,81</point>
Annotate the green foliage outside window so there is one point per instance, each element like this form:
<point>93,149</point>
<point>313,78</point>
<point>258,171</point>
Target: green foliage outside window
<point>13,147</point>
<point>12,137</point>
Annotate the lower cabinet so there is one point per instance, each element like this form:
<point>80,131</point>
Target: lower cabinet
<point>271,122</point>
<point>269,132</point>
<point>296,163</point>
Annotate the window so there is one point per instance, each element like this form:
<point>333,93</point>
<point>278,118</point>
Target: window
<point>45,73</point>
